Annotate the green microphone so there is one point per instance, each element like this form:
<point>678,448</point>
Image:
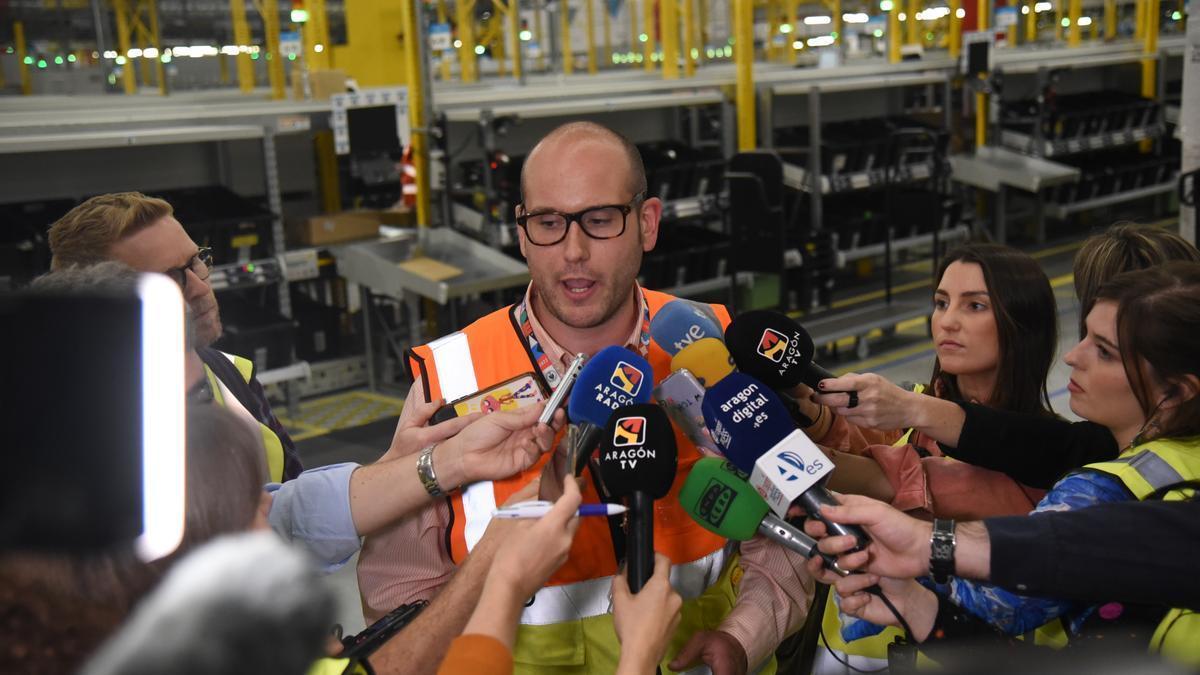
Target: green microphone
<point>717,496</point>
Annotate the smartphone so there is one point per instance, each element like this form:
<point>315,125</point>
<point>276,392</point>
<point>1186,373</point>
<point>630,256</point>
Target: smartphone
<point>680,395</point>
<point>517,392</point>
<point>564,387</point>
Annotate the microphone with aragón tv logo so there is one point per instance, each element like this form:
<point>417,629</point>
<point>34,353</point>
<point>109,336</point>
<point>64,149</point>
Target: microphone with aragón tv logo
<point>756,433</point>
<point>680,323</point>
<point>775,349</point>
<point>613,378</point>
<point>637,463</point>
<point>717,496</point>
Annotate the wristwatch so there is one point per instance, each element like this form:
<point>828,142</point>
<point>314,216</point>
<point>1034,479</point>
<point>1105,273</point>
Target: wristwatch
<point>941,550</point>
<point>426,474</point>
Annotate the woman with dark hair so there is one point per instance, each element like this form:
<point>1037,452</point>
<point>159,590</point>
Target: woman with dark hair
<point>995,331</point>
<point>1137,373</point>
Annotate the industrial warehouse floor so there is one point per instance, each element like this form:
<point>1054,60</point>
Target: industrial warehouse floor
<point>906,356</point>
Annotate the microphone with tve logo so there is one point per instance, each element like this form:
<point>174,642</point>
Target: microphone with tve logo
<point>613,378</point>
<point>637,464</point>
<point>680,323</point>
<point>717,496</point>
<point>745,417</point>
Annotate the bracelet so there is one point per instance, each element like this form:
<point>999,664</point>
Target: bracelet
<point>820,414</point>
<point>425,473</point>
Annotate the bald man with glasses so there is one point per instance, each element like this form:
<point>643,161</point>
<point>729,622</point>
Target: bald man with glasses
<point>143,233</point>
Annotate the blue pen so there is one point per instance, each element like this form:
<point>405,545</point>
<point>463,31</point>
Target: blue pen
<point>537,509</point>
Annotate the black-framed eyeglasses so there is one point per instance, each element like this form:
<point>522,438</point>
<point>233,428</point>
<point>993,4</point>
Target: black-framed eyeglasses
<point>547,228</point>
<point>200,264</point>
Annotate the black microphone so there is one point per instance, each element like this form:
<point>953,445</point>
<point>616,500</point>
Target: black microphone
<point>774,349</point>
<point>637,463</point>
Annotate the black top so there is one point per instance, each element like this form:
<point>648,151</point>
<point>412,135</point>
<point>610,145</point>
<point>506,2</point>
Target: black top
<point>1131,552</point>
<point>1034,450</point>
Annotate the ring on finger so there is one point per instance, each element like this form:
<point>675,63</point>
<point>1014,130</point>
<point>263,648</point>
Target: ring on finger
<point>853,400</point>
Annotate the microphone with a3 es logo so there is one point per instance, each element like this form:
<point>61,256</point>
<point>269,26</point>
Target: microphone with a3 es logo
<point>637,464</point>
<point>745,417</point>
<point>613,378</point>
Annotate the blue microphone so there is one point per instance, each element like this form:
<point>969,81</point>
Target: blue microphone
<point>680,323</point>
<point>614,378</point>
<point>752,426</point>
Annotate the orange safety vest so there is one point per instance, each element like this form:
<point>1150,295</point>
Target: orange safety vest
<point>494,349</point>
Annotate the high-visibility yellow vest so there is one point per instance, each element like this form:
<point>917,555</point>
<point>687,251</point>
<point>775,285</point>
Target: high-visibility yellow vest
<point>222,396</point>
<point>1164,469</point>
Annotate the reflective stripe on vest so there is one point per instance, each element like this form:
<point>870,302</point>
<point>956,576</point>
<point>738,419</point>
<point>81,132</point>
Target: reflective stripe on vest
<point>222,396</point>
<point>907,435</point>
<point>456,375</point>
<point>1177,638</point>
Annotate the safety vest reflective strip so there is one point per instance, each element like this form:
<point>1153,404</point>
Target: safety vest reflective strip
<point>222,396</point>
<point>1146,471</point>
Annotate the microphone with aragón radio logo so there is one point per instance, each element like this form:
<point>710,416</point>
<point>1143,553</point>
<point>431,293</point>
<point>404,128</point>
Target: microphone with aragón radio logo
<point>637,464</point>
<point>745,417</point>
<point>613,378</point>
<point>717,496</point>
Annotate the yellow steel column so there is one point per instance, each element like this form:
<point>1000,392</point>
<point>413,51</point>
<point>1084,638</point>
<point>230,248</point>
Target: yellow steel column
<point>514,27</point>
<point>1150,51</point>
<point>606,33</point>
<point>648,31</point>
<point>589,6</point>
<point>911,26</point>
<point>464,11</point>
<point>223,67</point>
<point>690,52</point>
<point>564,22</point>
<point>416,106</point>
<point>1058,17</point>
<point>19,39</point>
<point>894,36</point>
<point>668,24</point>
<point>241,35</point>
<point>1075,10</point>
<point>984,9</point>
<point>631,7</point>
<point>316,32</point>
<point>1110,19</point>
<point>159,71</point>
<point>444,68</point>
<point>495,37</point>
<point>837,21</point>
<point>539,34</point>
<point>793,19</point>
<point>1031,30</point>
<point>743,56</point>
<point>269,11</point>
<point>1010,33</point>
<point>702,22</point>
<point>773,23</point>
<point>954,39</point>
<point>128,78</point>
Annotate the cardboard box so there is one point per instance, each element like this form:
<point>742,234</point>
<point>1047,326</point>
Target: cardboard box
<point>335,228</point>
<point>322,84</point>
<point>398,217</point>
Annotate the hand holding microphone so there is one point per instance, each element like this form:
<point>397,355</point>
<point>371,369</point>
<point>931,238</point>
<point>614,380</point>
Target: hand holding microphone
<point>637,463</point>
<point>878,404</point>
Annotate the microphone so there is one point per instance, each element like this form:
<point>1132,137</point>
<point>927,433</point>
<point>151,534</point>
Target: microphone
<point>718,498</point>
<point>680,323</point>
<point>775,349</point>
<point>707,359</point>
<point>637,463</point>
<point>244,603</point>
<point>613,378</point>
<point>745,416</point>
<point>680,394</point>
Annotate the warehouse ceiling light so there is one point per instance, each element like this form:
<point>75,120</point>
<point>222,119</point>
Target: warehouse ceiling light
<point>299,15</point>
<point>857,17</point>
<point>58,60</point>
<point>150,53</point>
<point>798,44</point>
<point>134,53</point>
<point>318,48</point>
<point>818,20</point>
<point>886,5</point>
<point>110,54</point>
<point>1085,21</point>
<point>1176,15</point>
<point>120,60</point>
<point>70,58</point>
<point>820,41</point>
<point>933,13</point>
<point>878,32</point>
<point>960,13</point>
<point>1024,9</point>
<point>526,35</point>
<point>458,44</point>
<point>1043,7</point>
<point>903,16</point>
<point>1066,22</point>
<point>28,60</point>
<point>480,49</point>
<point>785,28</point>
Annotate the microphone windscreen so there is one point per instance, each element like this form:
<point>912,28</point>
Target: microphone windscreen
<point>245,603</point>
<point>614,377</point>
<point>637,452</point>
<point>680,323</point>
<point>707,359</point>
<point>717,496</point>
<point>770,346</point>
<point>745,418</point>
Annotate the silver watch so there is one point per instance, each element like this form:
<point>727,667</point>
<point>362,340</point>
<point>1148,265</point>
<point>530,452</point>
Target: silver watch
<point>426,474</point>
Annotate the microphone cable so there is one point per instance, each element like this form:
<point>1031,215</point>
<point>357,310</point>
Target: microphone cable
<point>877,592</point>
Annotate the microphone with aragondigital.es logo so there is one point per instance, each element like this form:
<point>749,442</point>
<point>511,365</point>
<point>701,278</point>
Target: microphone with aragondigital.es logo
<point>637,463</point>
